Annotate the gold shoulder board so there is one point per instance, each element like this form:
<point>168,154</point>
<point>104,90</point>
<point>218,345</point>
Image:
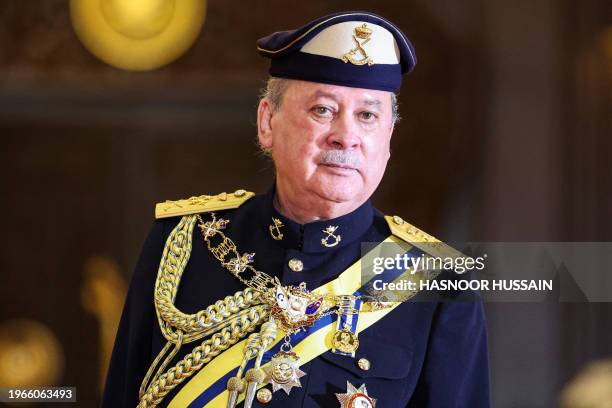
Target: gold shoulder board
<point>420,239</point>
<point>203,203</point>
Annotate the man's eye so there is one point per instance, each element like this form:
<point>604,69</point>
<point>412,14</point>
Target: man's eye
<point>323,111</point>
<point>368,116</point>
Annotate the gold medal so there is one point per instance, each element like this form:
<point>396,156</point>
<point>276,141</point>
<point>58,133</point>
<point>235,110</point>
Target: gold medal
<point>284,372</point>
<point>345,341</point>
<point>356,397</point>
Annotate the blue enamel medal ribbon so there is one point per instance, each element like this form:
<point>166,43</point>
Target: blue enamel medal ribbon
<point>347,322</point>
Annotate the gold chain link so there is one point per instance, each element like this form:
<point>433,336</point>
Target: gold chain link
<point>237,264</point>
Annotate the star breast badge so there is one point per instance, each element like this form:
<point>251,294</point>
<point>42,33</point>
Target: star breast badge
<point>356,397</point>
<point>283,372</point>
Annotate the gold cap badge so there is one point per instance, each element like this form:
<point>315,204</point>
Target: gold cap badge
<point>362,33</point>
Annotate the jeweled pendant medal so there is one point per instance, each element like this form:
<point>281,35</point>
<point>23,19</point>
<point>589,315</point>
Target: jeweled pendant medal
<point>295,307</point>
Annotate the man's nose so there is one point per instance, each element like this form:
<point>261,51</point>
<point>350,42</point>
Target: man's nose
<point>344,133</point>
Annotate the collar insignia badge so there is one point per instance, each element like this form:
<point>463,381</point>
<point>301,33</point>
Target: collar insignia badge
<point>275,227</point>
<point>330,235</point>
<point>361,37</point>
<point>356,397</point>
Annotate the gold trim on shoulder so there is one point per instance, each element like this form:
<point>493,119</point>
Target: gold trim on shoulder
<point>420,239</point>
<point>203,203</point>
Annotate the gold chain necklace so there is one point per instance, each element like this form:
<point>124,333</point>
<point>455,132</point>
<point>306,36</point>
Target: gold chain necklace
<point>295,307</point>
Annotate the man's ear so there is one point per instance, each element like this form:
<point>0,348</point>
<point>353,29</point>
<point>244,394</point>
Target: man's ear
<point>264,124</point>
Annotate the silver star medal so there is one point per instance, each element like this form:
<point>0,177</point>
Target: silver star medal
<point>284,372</point>
<point>356,397</point>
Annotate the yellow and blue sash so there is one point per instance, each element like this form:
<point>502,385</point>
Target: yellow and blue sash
<point>208,389</point>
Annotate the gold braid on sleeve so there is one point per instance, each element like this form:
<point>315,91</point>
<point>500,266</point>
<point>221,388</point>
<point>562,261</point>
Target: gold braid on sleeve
<point>227,321</point>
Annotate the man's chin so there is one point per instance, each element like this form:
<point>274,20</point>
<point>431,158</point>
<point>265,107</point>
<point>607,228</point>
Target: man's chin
<point>340,192</point>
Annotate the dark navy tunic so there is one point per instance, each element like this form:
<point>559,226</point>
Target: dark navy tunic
<point>422,354</point>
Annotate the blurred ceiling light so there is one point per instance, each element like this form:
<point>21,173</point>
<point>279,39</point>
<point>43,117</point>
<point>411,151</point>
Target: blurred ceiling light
<point>137,35</point>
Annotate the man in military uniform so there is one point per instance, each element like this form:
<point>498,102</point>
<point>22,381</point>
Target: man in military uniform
<point>270,309</point>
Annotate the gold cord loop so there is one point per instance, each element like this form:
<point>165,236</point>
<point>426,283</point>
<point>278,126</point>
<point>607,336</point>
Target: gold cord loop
<point>201,355</point>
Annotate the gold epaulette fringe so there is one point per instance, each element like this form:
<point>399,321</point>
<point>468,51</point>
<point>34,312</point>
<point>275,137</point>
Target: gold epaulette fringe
<point>203,203</point>
<point>420,239</point>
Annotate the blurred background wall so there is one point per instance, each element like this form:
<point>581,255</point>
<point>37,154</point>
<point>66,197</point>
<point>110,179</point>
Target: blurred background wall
<point>505,137</point>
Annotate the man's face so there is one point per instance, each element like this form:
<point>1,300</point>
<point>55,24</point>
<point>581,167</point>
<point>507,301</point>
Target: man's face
<point>330,142</point>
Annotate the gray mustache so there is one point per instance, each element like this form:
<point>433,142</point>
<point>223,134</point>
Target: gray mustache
<point>340,157</point>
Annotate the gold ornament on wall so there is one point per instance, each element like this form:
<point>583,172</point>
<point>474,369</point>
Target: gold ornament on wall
<point>137,35</point>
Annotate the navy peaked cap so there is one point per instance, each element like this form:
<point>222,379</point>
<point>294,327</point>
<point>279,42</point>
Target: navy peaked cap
<point>356,49</point>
